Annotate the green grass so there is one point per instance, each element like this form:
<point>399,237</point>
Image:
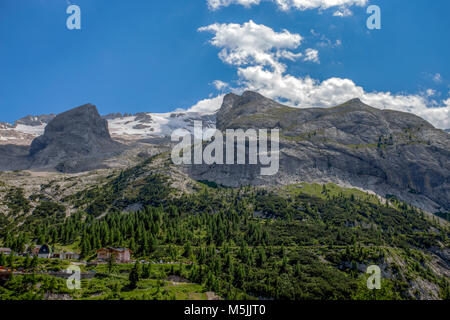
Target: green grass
<point>116,287</point>
<point>333,190</point>
<point>189,291</point>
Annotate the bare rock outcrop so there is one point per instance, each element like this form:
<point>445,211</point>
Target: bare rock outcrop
<point>74,141</point>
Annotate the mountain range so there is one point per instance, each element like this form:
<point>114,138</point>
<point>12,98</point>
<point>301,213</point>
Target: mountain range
<point>354,145</point>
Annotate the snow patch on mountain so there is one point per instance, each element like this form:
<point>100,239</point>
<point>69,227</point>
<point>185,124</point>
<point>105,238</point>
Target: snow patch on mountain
<point>158,124</point>
<point>19,134</point>
<point>33,130</point>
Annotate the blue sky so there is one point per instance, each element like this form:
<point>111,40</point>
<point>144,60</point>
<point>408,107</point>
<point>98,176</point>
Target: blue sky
<point>133,56</point>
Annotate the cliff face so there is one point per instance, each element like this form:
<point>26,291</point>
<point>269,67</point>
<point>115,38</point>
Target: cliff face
<point>353,144</point>
<point>73,140</point>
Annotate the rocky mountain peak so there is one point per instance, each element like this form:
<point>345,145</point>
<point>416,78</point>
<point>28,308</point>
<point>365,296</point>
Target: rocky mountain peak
<point>248,103</point>
<point>354,101</point>
<point>232,100</point>
<point>354,105</point>
<point>80,121</point>
<point>74,134</point>
<point>249,96</point>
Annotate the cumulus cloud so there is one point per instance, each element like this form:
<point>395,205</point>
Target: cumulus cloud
<point>256,51</point>
<point>252,43</point>
<point>286,5</point>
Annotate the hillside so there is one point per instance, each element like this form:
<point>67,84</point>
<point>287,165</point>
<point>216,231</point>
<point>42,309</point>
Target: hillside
<point>311,241</point>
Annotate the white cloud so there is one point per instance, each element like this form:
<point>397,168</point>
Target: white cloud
<point>324,41</point>
<point>256,50</point>
<point>220,85</point>
<point>252,43</point>
<point>314,33</point>
<point>207,105</point>
<point>217,4</point>
<point>447,103</point>
<point>317,4</point>
<point>286,5</point>
<point>430,92</point>
<point>311,55</point>
<point>343,12</point>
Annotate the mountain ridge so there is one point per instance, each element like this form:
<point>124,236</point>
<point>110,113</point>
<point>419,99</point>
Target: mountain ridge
<point>385,151</point>
<point>352,144</point>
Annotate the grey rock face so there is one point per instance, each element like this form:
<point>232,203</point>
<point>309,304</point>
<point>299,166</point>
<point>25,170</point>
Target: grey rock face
<point>353,144</point>
<point>143,117</point>
<point>72,140</point>
<point>234,107</point>
<point>13,157</point>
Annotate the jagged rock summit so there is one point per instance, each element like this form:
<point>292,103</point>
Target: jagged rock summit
<point>234,107</point>
<point>72,140</point>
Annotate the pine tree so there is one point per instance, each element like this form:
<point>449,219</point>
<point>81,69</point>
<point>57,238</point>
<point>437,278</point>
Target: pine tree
<point>298,270</point>
<point>187,250</point>
<point>2,259</point>
<point>111,263</point>
<point>134,275</point>
<point>11,260</point>
<point>34,262</point>
<point>132,245</point>
<point>261,256</point>
<point>239,275</point>
<point>284,264</point>
<point>147,271</point>
<point>26,263</point>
